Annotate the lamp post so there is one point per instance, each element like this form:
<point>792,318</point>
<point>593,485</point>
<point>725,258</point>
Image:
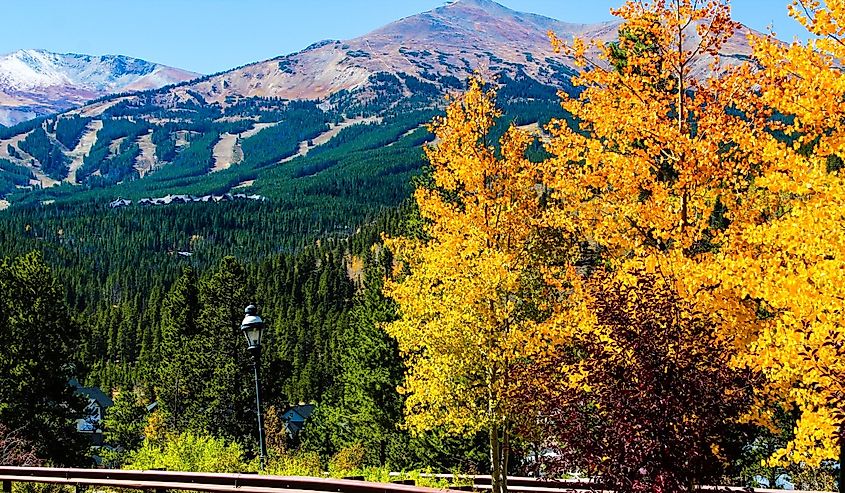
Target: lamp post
<point>252,327</point>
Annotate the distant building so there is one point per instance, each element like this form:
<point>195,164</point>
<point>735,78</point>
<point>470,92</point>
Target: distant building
<point>94,413</point>
<point>186,199</point>
<point>119,203</point>
<point>295,417</point>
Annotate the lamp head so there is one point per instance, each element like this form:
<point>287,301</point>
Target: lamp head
<point>252,326</point>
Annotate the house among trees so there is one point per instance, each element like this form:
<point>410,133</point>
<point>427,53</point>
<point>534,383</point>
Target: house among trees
<point>94,413</point>
<point>119,203</point>
<point>185,199</point>
<point>295,417</point>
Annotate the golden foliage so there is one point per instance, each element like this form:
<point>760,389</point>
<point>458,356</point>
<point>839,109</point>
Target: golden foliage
<point>460,313</point>
<point>465,290</point>
<point>699,178</point>
<point>275,431</point>
<point>155,431</point>
<point>796,256</point>
<point>723,180</point>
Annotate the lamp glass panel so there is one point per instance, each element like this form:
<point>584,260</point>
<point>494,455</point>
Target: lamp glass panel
<point>253,335</point>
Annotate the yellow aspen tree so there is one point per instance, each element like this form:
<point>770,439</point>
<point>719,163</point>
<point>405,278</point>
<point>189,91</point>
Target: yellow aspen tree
<point>650,156</point>
<point>461,288</point>
<point>795,250</point>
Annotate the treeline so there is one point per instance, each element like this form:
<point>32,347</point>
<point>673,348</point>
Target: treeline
<point>69,130</point>
<point>113,165</point>
<point>185,131</point>
<point>13,176</point>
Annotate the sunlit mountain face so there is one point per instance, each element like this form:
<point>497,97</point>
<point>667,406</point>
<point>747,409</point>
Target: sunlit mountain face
<point>37,82</point>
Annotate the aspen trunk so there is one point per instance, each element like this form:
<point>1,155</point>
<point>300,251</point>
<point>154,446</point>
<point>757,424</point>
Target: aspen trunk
<point>842,458</point>
<point>497,474</point>
<point>506,453</point>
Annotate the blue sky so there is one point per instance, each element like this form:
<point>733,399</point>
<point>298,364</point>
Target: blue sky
<point>209,36</point>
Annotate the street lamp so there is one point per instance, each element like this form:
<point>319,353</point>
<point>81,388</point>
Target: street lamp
<point>252,327</point>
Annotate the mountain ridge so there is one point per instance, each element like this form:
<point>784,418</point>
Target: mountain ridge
<point>238,128</point>
<point>454,40</point>
<point>346,65</point>
<point>37,82</point>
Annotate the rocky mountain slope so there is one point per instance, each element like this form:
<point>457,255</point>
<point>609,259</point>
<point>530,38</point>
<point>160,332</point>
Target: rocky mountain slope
<point>449,42</point>
<point>38,82</point>
<point>307,117</point>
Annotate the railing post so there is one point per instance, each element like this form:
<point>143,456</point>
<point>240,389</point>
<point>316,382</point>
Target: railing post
<point>7,486</point>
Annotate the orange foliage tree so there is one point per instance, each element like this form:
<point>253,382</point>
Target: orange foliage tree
<point>727,179</point>
<point>723,177</point>
<point>795,262</point>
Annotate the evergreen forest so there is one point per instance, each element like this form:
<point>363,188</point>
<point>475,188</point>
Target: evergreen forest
<point>157,293</point>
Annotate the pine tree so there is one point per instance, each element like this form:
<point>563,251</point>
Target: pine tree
<point>124,421</point>
<point>363,407</point>
<point>229,403</point>
<point>178,371</point>
<point>36,361</point>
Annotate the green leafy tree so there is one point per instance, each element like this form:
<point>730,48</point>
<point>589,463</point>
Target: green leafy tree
<point>190,452</point>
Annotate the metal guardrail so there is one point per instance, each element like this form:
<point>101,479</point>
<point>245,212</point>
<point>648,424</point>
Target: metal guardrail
<point>517,484</point>
<point>483,483</point>
<point>161,481</point>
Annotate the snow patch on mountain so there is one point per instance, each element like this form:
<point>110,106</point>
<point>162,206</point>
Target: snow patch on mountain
<point>38,82</point>
<point>25,70</point>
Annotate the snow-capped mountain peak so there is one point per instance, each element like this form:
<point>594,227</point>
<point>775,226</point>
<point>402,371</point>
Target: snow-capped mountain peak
<point>35,82</point>
<point>29,69</point>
